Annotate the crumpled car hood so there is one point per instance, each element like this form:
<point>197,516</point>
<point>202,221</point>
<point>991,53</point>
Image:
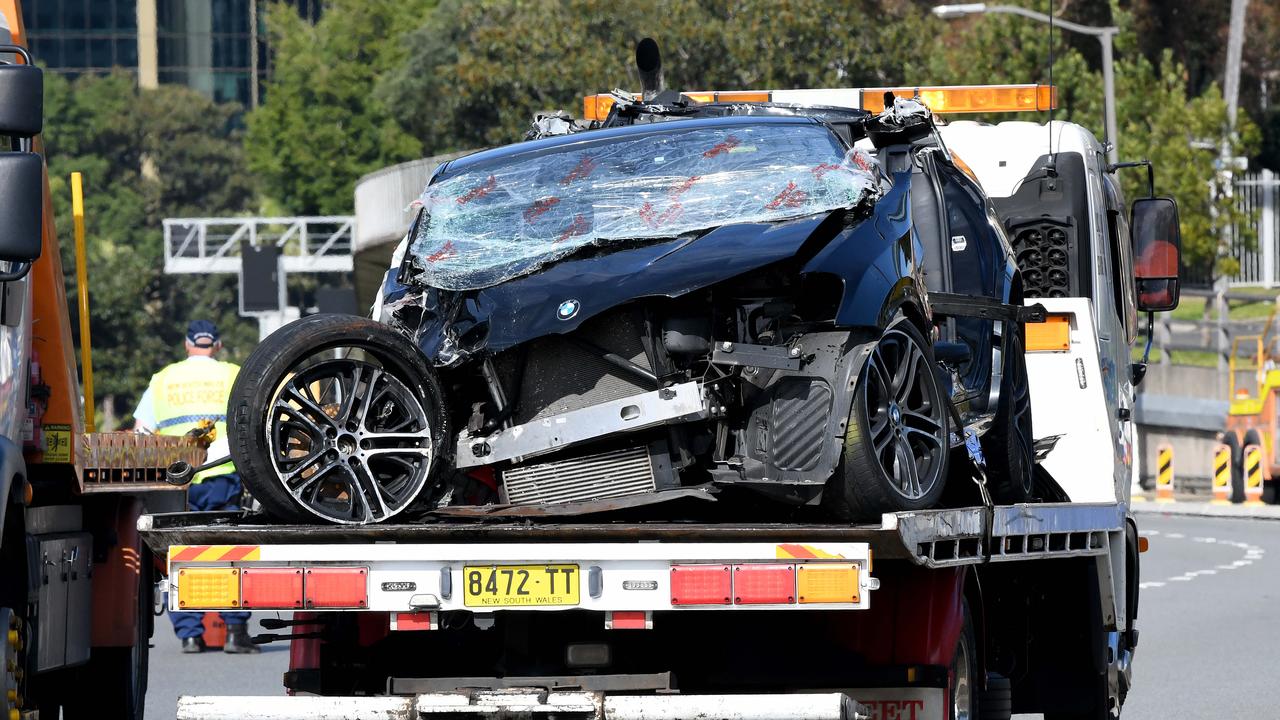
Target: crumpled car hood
<point>456,324</point>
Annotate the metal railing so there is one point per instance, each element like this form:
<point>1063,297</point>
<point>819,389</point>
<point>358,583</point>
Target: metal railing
<point>1258,196</point>
<point>212,245</point>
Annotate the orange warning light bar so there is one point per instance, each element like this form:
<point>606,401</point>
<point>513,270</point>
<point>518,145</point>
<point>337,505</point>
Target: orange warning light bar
<point>969,98</point>
<point>941,100</point>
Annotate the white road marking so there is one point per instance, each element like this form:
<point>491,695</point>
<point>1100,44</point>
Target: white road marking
<point>1251,553</point>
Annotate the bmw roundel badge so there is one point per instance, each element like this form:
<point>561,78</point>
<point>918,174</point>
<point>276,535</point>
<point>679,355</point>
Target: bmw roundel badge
<point>568,309</point>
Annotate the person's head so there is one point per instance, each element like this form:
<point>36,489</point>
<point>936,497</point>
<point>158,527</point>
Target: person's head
<point>202,339</point>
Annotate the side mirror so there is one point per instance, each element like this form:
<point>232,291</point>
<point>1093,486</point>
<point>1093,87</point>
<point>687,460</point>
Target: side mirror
<point>1157,252</point>
<point>21,98</point>
<point>21,206</point>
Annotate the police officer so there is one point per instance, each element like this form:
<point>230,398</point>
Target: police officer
<point>179,397</point>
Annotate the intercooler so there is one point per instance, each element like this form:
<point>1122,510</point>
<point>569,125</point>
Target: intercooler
<point>594,477</point>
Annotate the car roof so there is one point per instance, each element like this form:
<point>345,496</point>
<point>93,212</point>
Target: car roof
<point>594,136</point>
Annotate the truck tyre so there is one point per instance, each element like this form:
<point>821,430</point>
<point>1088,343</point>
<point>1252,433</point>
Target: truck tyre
<point>1010,446</point>
<point>339,419</point>
<point>963,693</point>
<point>898,436</point>
<point>114,682</point>
<point>996,700</point>
<point>1237,465</point>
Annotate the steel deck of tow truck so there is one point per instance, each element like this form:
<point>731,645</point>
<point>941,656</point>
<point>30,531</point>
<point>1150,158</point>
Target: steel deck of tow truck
<point>930,538</point>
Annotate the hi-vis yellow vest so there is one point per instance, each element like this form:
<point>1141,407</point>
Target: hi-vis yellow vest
<point>184,393</point>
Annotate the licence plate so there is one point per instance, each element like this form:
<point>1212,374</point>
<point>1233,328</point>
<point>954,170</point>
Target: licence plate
<point>520,585</point>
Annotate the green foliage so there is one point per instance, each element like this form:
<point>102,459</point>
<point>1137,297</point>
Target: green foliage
<point>466,74</point>
<point>109,130</point>
<point>1157,118</point>
<point>320,127</point>
<point>477,71</point>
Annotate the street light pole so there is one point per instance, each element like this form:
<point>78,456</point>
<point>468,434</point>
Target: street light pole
<point>1105,36</point>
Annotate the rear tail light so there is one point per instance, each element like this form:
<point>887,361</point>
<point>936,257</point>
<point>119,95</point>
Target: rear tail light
<point>337,588</point>
<point>701,585</point>
<point>208,588</point>
<point>764,584</point>
<point>828,583</point>
<point>271,588</point>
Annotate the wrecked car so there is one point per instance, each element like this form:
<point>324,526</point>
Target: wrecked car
<point>806,307</point>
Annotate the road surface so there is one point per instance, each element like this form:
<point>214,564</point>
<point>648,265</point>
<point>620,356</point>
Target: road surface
<point>1209,620</point>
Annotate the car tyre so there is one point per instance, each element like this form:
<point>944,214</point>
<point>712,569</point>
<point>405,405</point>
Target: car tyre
<point>1010,445</point>
<point>898,436</point>
<point>339,419</point>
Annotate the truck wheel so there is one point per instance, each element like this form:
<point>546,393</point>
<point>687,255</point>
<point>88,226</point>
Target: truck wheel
<point>338,418</point>
<point>1010,446</point>
<point>898,436</point>
<point>1237,465</point>
<point>964,688</point>
<point>114,683</point>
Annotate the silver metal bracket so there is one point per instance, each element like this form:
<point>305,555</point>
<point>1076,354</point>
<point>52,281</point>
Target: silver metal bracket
<point>678,403</point>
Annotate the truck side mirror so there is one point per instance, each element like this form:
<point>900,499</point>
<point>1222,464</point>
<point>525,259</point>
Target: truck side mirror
<point>1157,250</point>
<point>21,98</point>
<point>21,171</point>
<point>21,181</point>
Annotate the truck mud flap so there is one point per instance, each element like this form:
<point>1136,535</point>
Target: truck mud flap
<point>501,705</point>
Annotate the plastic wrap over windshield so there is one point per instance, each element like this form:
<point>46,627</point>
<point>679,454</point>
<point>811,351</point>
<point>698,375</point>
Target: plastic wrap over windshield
<point>506,218</point>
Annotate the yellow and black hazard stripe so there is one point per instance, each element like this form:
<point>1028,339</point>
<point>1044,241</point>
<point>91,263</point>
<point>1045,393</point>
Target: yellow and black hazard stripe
<point>1222,467</point>
<point>1253,468</point>
<point>1164,466</point>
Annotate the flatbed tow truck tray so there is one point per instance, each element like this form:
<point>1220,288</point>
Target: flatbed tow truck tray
<point>930,538</point>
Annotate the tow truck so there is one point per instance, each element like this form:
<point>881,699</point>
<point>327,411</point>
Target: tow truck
<point>961,612</point>
<point>76,607</point>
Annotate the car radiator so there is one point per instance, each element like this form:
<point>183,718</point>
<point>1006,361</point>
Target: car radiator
<point>561,375</point>
<point>605,475</point>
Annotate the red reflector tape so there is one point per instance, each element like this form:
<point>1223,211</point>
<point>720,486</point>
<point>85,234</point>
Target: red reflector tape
<point>628,620</point>
<point>764,584</point>
<point>401,622</point>
<point>265,588</point>
<point>337,588</point>
<point>701,585</point>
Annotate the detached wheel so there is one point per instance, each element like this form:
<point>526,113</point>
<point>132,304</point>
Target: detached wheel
<point>1010,445</point>
<point>338,418</point>
<point>897,440</point>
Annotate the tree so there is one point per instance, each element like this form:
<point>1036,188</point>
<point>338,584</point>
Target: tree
<point>108,129</point>
<point>476,72</point>
<point>1160,117</point>
<point>320,127</point>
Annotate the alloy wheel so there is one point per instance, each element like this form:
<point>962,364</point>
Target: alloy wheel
<point>906,415</point>
<point>349,440</point>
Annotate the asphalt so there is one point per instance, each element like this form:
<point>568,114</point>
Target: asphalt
<point>211,673</point>
<point>1209,618</point>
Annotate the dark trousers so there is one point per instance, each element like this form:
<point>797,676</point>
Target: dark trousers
<point>216,493</point>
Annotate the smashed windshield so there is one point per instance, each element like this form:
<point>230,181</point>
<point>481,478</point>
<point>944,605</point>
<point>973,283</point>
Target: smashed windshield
<point>508,217</point>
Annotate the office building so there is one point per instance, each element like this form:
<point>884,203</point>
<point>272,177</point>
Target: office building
<point>218,47</point>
